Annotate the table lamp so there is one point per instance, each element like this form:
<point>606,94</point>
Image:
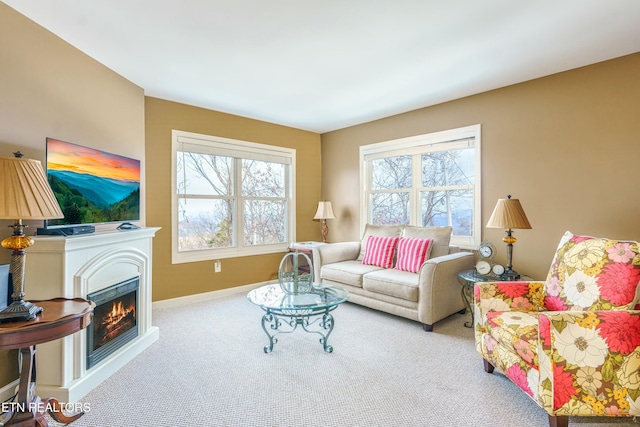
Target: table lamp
<point>24,194</point>
<point>509,214</point>
<point>324,212</point>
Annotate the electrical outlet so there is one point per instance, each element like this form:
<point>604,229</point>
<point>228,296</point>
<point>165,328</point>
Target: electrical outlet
<point>218,266</point>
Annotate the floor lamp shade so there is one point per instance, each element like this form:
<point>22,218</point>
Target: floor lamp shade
<point>509,214</point>
<point>24,194</point>
<point>324,212</point>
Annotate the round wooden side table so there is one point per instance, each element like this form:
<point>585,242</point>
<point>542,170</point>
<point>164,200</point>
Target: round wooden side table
<point>60,317</point>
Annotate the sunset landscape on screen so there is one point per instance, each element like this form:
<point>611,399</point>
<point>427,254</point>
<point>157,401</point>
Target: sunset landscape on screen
<point>92,186</point>
<point>76,158</point>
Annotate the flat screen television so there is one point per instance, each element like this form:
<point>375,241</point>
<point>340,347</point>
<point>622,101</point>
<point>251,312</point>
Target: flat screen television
<point>92,186</point>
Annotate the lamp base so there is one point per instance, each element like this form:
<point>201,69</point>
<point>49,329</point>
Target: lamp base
<point>509,274</point>
<point>325,231</point>
<point>19,310</point>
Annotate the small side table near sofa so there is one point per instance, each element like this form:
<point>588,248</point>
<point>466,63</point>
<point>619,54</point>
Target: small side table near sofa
<point>308,248</point>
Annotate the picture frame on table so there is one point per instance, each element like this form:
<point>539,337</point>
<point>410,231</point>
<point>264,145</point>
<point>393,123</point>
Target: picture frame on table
<point>5,286</point>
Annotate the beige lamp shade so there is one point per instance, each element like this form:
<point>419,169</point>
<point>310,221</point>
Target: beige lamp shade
<point>325,211</point>
<point>25,192</point>
<point>508,214</point>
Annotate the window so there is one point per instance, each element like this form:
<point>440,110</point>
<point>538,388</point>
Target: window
<point>428,180</point>
<point>231,198</point>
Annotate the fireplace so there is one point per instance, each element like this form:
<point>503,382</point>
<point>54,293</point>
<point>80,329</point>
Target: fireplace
<point>115,320</point>
<point>83,266</point>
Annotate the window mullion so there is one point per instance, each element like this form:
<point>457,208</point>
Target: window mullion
<point>238,223</point>
<point>368,191</point>
<point>203,197</point>
<point>288,197</point>
<point>416,183</point>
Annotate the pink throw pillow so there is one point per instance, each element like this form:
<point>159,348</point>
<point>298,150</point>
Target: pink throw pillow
<point>379,251</point>
<point>412,253</point>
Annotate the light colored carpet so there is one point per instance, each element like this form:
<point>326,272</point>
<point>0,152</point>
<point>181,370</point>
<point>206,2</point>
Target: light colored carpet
<point>208,369</point>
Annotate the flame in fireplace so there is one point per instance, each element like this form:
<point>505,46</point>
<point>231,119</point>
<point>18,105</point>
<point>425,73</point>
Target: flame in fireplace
<point>115,320</point>
<point>117,313</point>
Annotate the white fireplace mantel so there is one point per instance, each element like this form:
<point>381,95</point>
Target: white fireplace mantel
<point>72,267</point>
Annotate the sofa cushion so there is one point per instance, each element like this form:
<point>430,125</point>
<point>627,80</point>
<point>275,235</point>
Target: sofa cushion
<point>347,272</point>
<point>412,253</point>
<point>392,282</point>
<point>590,273</point>
<point>380,251</point>
<point>378,230</point>
<point>440,237</point>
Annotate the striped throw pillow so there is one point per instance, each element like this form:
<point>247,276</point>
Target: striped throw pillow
<point>412,253</point>
<point>379,251</point>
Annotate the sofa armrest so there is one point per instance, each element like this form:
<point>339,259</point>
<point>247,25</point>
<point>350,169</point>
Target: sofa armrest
<point>334,252</point>
<point>445,266</point>
<point>589,362</point>
<point>439,288</point>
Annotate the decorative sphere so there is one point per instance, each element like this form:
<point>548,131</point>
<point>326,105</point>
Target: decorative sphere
<point>292,279</point>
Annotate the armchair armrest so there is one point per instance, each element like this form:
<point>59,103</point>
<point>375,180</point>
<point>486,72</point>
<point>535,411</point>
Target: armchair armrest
<point>334,252</point>
<point>507,296</point>
<point>503,296</point>
<point>589,362</point>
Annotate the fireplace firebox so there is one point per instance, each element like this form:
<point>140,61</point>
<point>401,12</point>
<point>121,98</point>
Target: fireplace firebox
<point>115,320</point>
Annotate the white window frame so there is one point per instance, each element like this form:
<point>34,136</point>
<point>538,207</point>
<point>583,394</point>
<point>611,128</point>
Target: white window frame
<point>240,150</point>
<point>413,146</point>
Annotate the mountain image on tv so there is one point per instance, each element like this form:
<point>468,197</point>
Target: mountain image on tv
<point>92,186</point>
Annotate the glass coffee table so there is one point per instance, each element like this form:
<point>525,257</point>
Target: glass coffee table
<point>284,312</point>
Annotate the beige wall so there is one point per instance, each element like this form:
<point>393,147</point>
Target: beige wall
<point>175,280</point>
<point>566,145</point>
<point>50,89</point>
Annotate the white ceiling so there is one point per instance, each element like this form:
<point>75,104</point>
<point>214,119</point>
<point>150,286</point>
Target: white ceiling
<point>325,65</point>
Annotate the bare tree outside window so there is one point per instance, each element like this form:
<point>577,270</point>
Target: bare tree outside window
<point>207,201</point>
<point>445,193</point>
<point>390,190</point>
<point>264,207</point>
<point>231,198</point>
<point>427,180</point>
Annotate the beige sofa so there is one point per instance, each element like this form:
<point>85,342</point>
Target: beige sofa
<point>427,296</point>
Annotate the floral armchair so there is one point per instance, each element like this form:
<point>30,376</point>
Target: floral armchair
<point>571,343</point>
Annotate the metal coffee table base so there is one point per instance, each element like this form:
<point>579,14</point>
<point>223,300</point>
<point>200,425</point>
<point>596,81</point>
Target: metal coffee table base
<point>274,320</point>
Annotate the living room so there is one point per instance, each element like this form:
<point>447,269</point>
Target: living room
<point>565,145</point>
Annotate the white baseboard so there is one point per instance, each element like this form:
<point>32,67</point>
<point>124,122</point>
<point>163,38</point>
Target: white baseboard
<point>173,302</point>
